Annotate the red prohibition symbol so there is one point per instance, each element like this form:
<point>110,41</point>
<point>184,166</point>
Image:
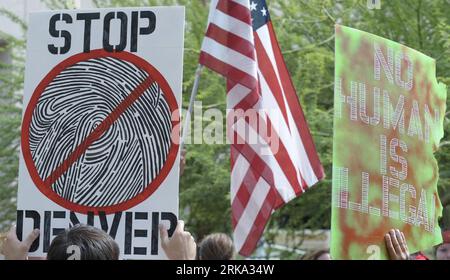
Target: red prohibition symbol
<point>45,184</point>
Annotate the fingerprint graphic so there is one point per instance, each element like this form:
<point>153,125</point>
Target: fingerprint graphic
<point>126,158</point>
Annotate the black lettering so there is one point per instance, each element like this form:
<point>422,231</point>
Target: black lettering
<point>173,220</point>
<point>140,251</point>
<point>123,31</point>
<point>73,219</point>
<point>58,215</point>
<point>48,230</point>
<point>134,29</point>
<point>115,223</point>
<point>19,225</point>
<point>88,18</point>
<point>66,35</point>
<point>90,218</point>
<point>155,229</point>
<point>128,232</point>
<point>143,30</point>
<point>151,22</point>
<point>47,217</point>
<point>107,30</point>
<point>53,32</point>
<point>140,233</point>
<point>36,224</point>
<point>58,34</point>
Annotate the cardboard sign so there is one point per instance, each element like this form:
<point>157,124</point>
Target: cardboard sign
<point>100,127</point>
<point>388,121</point>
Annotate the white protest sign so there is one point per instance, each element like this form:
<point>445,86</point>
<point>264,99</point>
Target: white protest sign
<point>100,125</point>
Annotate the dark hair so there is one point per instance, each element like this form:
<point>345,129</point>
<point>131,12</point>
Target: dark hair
<point>93,244</point>
<point>216,246</point>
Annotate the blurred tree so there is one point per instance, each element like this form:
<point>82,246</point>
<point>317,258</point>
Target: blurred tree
<point>11,86</point>
<point>305,31</point>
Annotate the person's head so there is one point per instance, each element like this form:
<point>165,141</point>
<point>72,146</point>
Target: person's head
<point>323,254</point>
<point>91,243</point>
<point>442,251</point>
<point>216,246</point>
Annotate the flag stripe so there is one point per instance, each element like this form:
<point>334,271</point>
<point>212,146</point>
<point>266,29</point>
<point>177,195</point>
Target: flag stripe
<point>227,70</point>
<point>305,166</point>
<point>240,167</point>
<point>251,213</point>
<point>235,10</point>
<point>279,126</point>
<point>226,38</point>
<point>257,164</point>
<point>297,112</point>
<point>283,159</point>
<point>268,72</point>
<point>258,225</point>
<point>249,101</point>
<point>244,3</point>
<point>291,139</point>
<point>242,197</point>
<point>278,150</point>
<point>234,58</point>
<point>260,148</point>
<point>236,94</point>
<point>233,25</point>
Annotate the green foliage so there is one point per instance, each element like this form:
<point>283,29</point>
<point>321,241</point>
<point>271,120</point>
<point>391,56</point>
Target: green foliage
<point>11,84</point>
<point>305,31</point>
<point>56,4</point>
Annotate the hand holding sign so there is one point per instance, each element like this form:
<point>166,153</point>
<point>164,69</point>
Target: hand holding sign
<point>396,245</point>
<point>14,249</point>
<point>181,246</point>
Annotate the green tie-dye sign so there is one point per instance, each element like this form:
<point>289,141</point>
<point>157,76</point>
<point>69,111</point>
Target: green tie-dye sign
<point>388,121</point>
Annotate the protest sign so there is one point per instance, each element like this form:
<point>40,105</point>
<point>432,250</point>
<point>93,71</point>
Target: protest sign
<point>100,126</point>
<point>388,121</point>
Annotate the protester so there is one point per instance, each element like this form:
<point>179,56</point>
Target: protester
<point>92,243</point>
<point>216,246</point>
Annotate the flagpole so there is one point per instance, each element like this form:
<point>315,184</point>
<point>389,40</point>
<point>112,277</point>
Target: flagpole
<point>187,120</point>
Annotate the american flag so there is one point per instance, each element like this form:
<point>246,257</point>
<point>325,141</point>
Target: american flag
<point>240,44</point>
